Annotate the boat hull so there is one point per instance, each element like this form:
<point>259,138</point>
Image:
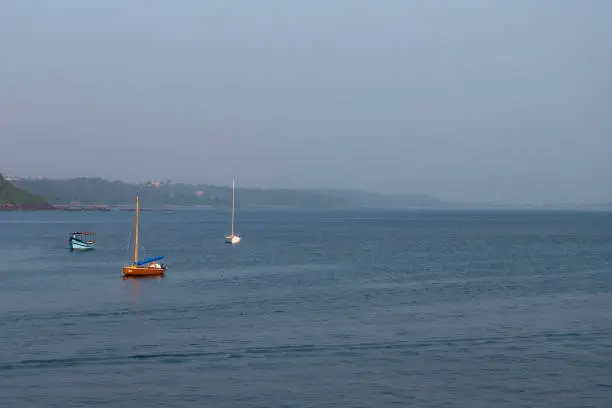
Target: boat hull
<point>78,245</point>
<point>142,271</point>
<point>232,239</point>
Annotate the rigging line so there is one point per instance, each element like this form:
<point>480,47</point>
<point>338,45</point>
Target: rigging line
<point>129,241</point>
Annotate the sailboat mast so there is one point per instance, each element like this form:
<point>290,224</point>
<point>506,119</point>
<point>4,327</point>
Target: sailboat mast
<point>233,203</point>
<point>136,234</point>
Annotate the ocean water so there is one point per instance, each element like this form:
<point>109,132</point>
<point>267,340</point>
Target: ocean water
<point>312,309</point>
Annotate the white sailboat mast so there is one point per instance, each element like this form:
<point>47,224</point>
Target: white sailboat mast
<point>233,203</point>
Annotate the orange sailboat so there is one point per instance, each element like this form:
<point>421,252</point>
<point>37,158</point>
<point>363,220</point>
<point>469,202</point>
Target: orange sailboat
<point>146,267</point>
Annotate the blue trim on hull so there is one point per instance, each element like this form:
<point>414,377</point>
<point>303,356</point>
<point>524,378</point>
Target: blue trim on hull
<point>78,245</point>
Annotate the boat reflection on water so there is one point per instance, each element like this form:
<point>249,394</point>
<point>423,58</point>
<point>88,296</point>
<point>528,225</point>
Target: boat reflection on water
<point>144,277</point>
<point>136,284</point>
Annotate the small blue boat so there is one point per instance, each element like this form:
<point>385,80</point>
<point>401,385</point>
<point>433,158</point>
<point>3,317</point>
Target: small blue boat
<point>82,241</point>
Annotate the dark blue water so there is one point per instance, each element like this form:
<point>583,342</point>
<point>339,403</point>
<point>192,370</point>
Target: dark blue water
<point>313,309</point>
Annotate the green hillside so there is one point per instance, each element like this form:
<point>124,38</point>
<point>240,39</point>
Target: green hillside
<point>14,197</point>
<point>89,191</point>
<point>100,191</point>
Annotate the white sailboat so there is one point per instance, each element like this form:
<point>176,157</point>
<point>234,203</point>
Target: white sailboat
<point>233,238</point>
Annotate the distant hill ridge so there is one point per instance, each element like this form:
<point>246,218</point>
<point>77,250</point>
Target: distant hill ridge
<point>14,198</point>
<point>96,190</point>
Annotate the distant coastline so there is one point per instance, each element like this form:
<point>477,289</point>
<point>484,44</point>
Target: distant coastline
<point>97,194</point>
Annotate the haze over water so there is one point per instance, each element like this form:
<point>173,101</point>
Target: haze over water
<point>478,100</point>
<point>314,308</point>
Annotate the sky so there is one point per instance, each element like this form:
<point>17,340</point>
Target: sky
<point>473,100</point>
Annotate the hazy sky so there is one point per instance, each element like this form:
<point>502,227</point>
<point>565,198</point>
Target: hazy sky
<point>502,101</point>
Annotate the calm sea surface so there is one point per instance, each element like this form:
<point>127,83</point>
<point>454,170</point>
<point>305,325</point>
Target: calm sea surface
<point>312,309</point>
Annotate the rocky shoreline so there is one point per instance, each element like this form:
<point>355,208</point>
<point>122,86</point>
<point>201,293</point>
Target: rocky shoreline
<point>64,207</point>
<point>25,207</point>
